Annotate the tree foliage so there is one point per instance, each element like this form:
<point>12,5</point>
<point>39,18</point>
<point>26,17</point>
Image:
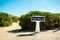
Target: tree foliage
<point>6,19</point>
<point>51,20</point>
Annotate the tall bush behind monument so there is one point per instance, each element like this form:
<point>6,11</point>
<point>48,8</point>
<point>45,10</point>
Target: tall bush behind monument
<point>51,20</point>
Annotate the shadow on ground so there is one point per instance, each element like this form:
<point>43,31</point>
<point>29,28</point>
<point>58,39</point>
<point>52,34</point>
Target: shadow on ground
<point>55,30</point>
<point>31,34</point>
<point>22,30</point>
<point>19,30</point>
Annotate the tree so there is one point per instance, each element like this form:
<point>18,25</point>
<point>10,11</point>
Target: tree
<point>25,20</point>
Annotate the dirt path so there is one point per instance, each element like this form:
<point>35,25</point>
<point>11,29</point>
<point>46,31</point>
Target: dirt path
<point>13,33</point>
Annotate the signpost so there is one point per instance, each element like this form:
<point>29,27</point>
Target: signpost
<point>37,19</point>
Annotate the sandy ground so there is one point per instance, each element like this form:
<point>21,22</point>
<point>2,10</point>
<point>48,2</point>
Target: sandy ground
<point>12,33</point>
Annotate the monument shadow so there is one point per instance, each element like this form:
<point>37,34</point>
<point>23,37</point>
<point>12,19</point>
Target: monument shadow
<point>23,32</point>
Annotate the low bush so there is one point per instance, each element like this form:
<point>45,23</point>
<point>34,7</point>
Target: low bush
<point>7,19</point>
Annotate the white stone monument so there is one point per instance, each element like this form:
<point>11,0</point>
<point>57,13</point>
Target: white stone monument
<point>37,19</point>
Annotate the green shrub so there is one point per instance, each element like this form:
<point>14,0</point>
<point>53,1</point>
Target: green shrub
<point>50,20</point>
<point>15,19</point>
<point>7,19</point>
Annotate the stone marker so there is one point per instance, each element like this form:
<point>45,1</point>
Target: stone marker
<point>37,19</point>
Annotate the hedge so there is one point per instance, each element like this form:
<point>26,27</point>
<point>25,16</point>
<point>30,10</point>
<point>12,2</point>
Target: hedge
<point>51,20</point>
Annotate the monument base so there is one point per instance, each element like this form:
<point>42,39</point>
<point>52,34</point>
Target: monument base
<point>37,26</point>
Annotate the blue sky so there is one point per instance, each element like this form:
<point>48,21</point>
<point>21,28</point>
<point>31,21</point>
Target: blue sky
<point>20,7</point>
